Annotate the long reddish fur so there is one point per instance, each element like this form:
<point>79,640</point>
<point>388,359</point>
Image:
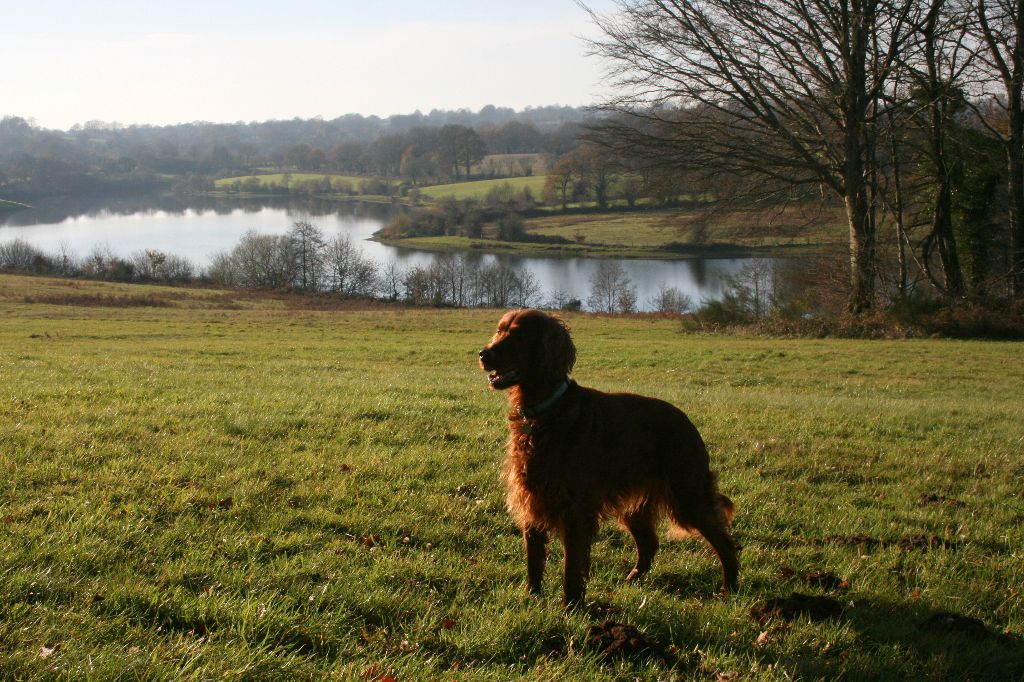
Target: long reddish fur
<point>593,455</point>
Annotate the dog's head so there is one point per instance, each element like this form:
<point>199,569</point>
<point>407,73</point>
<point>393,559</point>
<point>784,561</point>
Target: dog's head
<point>530,347</point>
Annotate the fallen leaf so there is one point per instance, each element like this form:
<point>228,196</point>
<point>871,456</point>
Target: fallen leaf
<point>762,639</point>
<point>447,623</point>
<point>47,651</point>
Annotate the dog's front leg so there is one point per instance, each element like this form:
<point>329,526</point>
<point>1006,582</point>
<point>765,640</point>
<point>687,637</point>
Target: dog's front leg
<point>536,542</point>
<point>576,539</point>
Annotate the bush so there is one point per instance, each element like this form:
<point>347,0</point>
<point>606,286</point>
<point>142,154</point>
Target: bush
<point>511,228</point>
<point>670,300</point>
<point>19,255</point>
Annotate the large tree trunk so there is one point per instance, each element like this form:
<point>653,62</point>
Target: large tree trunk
<point>1016,191</point>
<point>1006,57</point>
<point>860,18</point>
<point>941,234</point>
<point>862,247</point>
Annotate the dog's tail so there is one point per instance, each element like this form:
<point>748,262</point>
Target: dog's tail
<point>724,505</point>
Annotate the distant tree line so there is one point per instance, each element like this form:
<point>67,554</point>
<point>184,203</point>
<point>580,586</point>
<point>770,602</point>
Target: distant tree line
<point>305,260</point>
<point>778,297</point>
<point>910,114</point>
<point>440,145</point>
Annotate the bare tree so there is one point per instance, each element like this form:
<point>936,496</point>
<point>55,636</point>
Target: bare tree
<point>222,270</point>
<point>263,261</point>
<point>1000,26</point>
<point>670,300</point>
<point>340,258</point>
<point>559,182</point>
<point>19,255</point>
<point>752,288</point>
<point>307,243</point>
<point>526,292</point>
<point>784,93</point>
<point>152,265</point>
<point>348,271</point>
<point>611,290</point>
<point>391,280</point>
<point>456,277</point>
<point>936,68</point>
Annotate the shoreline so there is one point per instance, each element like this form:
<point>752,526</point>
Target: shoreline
<point>541,250</point>
<point>7,206</point>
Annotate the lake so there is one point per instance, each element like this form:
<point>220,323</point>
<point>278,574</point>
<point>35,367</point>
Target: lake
<point>197,228</point>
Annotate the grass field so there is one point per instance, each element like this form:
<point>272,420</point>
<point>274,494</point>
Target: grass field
<point>214,485</point>
<point>664,233</point>
<point>478,189</point>
<point>293,178</point>
<point>697,228</point>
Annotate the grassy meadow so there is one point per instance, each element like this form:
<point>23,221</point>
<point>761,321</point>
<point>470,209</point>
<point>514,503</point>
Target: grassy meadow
<point>696,228</point>
<point>660,233</point>
<point>200,484</point>
<point>291,178</point>
<point>478,189</point>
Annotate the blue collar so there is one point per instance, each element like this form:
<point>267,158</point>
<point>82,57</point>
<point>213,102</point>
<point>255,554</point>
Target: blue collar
<point>542,407</point>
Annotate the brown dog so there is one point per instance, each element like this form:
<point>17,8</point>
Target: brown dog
<point>576,455</point>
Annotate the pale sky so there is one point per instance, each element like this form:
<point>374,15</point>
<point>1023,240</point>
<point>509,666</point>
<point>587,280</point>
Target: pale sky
<point>171,61</point>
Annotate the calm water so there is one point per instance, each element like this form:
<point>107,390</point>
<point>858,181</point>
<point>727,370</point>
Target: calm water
<point>197,229</point>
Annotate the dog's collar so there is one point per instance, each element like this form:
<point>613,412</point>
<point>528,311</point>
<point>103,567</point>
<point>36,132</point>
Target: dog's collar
<point>543,406</point>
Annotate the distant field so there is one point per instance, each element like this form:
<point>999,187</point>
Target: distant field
<point>512,164</point>
<point>477,189</point>
<point>203,484</point>
<point>663,233</point>
<point>697,227</point>
<point>279,178</point>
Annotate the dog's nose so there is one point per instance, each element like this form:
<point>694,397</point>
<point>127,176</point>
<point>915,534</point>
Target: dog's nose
<point>486,355</point>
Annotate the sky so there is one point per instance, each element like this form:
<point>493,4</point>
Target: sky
<point>162,62</point>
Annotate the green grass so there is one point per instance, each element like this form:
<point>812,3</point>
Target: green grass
<point>696,227</point>
<point>478,189</point>
<point>663,233</point>
<point>208,485</point>
<point>279,179</point>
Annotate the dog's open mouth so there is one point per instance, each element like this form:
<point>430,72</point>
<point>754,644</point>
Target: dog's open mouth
<point>503,379</point>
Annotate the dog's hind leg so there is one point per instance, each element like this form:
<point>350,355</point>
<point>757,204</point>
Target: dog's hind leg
<point>710,517</point>
<point>715,529</point>
<point>641,525</point>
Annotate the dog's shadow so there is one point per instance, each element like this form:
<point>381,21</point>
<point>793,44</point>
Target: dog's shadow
<point>895,639</point>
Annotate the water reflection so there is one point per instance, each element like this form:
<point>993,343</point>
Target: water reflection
<point>198,227</point>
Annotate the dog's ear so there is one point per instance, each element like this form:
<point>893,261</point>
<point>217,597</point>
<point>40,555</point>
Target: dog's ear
<point>559,350</point>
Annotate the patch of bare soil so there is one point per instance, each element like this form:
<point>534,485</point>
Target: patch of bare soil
<point>796,605</point>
